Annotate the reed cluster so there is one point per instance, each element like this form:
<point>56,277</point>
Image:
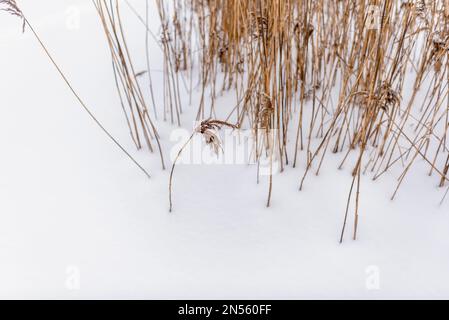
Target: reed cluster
<point>367,79</point>
<point>137,115</point>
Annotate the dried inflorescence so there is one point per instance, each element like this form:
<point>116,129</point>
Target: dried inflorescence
<point>208,129</point>
<point>440,48</point>
<point>421,7</point>
<point>387,97</point>
<point>11,7</point>
<point>266,110</point>
<point>258,25</point>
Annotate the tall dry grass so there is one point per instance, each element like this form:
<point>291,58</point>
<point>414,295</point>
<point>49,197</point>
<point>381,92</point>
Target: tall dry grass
<point>367,79</point>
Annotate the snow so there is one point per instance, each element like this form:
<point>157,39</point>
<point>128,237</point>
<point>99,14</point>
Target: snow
<point>79,220</point>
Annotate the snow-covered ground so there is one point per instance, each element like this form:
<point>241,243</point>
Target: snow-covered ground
<point>78,220</point>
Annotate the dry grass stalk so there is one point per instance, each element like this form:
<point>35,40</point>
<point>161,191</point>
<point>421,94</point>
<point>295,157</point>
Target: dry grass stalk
<point>12,8</point>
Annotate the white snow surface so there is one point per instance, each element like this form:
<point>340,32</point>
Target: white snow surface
<point>73,207</point>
